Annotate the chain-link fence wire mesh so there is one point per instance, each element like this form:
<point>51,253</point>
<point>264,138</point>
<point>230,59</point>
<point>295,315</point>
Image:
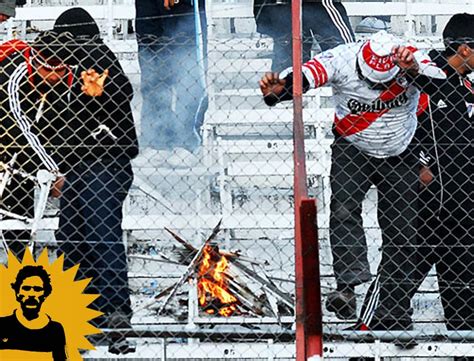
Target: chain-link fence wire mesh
<point>147,227</point>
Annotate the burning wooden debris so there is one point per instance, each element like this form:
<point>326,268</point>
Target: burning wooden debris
<point>228,283</point>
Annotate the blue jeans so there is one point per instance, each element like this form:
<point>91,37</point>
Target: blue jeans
<point>172,77</point>
<point>329,25</point>
<point>90,229</point>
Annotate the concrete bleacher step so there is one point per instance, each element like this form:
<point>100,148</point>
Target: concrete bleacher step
<point>251,98</point>
<point>226,73</point>
<point>275,122</point>
<point>228,67</point>
<point>252,47</point>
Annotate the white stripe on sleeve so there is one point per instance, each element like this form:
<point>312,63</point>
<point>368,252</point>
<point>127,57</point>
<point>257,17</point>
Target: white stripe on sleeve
<point>22,121</point>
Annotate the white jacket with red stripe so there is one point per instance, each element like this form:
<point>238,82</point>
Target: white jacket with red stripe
<point>381,123</point>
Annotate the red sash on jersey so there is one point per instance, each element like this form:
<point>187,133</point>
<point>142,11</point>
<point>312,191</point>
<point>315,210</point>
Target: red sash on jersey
<point>354,123</point>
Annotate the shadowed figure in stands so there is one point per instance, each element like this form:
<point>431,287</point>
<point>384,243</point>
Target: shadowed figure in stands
<point>98,142</point>
<point>323,21</point>
<point>444,141</point>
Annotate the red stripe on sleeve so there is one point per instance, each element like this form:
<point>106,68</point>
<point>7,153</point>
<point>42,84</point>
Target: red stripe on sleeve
<point>313,73</point>
<point>319,72</point>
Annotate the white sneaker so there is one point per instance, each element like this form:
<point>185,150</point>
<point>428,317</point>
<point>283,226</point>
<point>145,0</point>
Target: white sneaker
<point>181,158</point>
<point>150,157</point>
<point>372,25</point>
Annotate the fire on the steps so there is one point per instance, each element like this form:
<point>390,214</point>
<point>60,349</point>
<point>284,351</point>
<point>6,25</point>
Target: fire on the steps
<point>214,294</point>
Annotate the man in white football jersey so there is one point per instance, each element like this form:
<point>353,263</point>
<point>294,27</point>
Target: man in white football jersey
<point>374,123</point>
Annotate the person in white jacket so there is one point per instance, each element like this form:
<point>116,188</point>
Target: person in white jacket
<point>374,124</point>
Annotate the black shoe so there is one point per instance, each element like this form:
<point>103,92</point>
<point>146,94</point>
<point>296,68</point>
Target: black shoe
<point>118,344</point>
<point>390,324</point>
<point>343,304</point>
<point>118,319</point>
<point>99,322</point>
<point>121,346</point>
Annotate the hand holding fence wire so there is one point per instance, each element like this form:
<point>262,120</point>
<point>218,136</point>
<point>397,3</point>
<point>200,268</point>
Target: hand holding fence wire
<point>93,83</point>
<point>57,186</point>
<point>426,176</point>
<point>271,86</point>
<point>168,4</point>
<point>404,58</point>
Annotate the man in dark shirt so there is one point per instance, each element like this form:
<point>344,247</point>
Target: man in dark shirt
<point>324,21</point>
<point>28,329</point>
<point>446,223</point>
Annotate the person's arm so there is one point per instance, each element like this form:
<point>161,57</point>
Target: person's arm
<point>420,70</point>
<point>424,140</point>
<point>114,92</point>
<point>7,9</point>
<point>16,102</point>
<point>316,73</point>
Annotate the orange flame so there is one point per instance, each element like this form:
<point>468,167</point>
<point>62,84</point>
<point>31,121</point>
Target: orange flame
<point>213,284</point>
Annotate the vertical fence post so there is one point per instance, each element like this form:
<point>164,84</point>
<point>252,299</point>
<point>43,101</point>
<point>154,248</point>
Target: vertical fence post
<point>307,282</point>
<point>110,20</point>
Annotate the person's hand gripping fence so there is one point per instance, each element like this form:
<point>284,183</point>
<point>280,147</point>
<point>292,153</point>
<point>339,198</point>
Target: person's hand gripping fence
<point>404,58</point>
<point>93,82</point>
<point>272,87</point>
<point>168,4</point>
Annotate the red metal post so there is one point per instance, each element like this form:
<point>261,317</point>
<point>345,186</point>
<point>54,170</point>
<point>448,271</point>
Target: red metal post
<point>308,288</point>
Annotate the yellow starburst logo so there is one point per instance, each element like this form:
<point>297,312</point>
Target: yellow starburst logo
<point>42,301</point>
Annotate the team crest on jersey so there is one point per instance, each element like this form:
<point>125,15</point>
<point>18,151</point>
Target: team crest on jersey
<point>441,104</point>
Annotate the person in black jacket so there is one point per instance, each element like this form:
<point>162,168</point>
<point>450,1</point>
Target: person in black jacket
<point>325,21</point>
<point>445,134</point>
<point>98,143</point>
<point>35,83</point>
<point>446,222</point>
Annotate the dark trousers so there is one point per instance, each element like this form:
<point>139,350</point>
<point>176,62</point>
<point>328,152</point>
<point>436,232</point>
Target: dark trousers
<point>446,237</point>
<point>328,24</point>
<point>396,178</point>
<point>172,75</point>
<point>18,198</point>
<point>447,245</point>
<point>90,230</point>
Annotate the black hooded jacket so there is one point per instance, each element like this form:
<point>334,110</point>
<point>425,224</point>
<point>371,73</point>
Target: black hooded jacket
<point>97,127</point>
<point>446,134</point>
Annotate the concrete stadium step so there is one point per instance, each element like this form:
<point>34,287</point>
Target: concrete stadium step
<point>251,98</point>
<point>257,123</point>
<point>237,47</point>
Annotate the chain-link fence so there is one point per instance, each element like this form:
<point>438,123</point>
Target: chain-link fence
<point>171,179</point>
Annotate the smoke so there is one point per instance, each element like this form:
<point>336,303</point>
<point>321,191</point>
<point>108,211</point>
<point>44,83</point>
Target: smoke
<point>171,87</point>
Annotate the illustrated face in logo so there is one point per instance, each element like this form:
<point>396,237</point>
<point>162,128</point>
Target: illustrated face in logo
<point>31,296</point>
